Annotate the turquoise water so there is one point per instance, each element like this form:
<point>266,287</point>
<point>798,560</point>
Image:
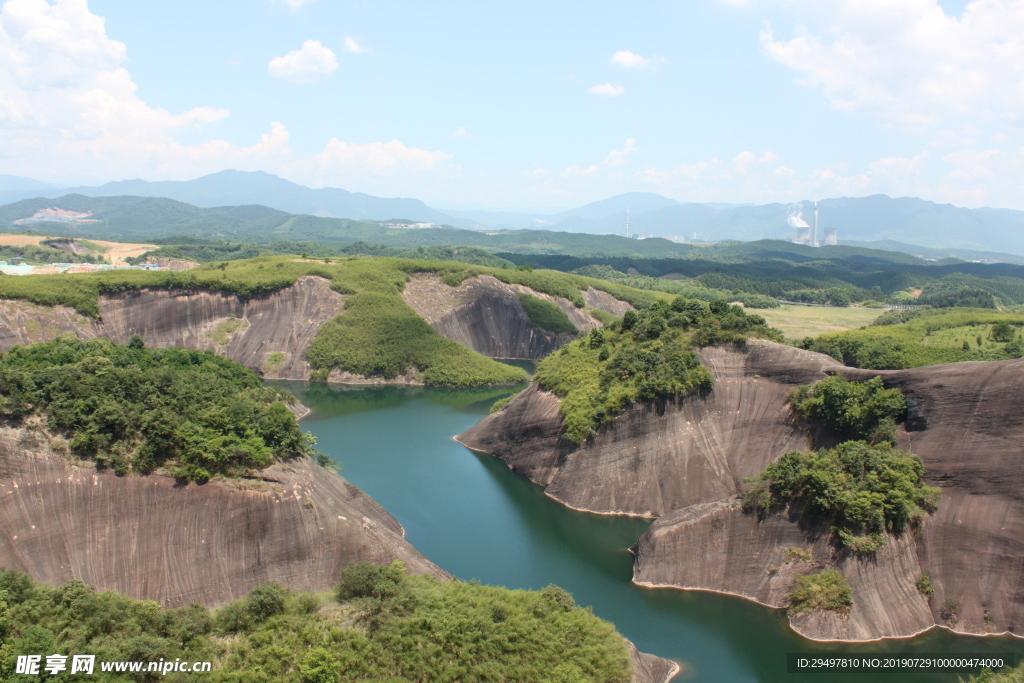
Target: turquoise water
<point>475,518</point>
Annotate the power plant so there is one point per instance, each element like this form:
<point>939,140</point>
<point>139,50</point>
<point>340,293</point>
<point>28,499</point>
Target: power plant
<point>808,234</point>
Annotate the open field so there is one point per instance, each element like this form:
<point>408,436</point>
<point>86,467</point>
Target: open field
<point>116,252</point>
<point>797,322</point>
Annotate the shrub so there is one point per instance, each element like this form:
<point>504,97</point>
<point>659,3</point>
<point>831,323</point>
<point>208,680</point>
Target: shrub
<point>854,410</point>
<point>950,611</point>
<point>546,315</point>
<point>856,487</point>
<point>646,358</point>
<point>135,409</point>
<point>924,584</point>
<point>266,601</point>
<point>824,590</point>
<point>451,631</point>
<point>793,553</point>
<point>501,403</point>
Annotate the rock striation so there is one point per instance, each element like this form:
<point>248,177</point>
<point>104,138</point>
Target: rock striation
<point>484,314</point>
<point>150,537</point>
<point>683,463</point>
<point>268,334</point>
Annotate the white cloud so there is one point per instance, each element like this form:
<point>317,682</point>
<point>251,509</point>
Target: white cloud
<point>69,112</point>
<point>631,60</point>
<point>309,63</point>
<point>461,133</point>
<point>352,45</point>
<point>608,90</point>
<point>616,157</point>
<point>340,162</point>
<point>294,4</point>
<point>907,62</point>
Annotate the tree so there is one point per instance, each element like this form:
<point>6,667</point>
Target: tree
<point>266,601</point>
<point>1002,332</point>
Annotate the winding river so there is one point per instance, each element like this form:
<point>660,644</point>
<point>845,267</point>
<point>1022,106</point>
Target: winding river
<point>475,518</point>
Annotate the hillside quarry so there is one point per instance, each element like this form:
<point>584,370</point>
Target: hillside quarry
<point>683,463</point>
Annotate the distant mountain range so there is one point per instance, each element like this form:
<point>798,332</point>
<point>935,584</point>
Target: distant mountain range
<point>955,231</point>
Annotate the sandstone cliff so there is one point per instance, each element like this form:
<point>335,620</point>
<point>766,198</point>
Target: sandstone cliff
<point>268,334</point>
<point>484,314</point>
<point>684,462</point>
<point>149,537</point>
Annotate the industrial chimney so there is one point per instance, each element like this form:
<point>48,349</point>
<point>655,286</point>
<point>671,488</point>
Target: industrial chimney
<point>814,234</point>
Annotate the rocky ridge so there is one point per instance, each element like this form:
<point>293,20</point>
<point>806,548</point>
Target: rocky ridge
<point>268,334</point>
<point>484,314</point>
<point>683,463</point>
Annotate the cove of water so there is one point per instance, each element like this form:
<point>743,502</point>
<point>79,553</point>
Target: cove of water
<point>475,518</point>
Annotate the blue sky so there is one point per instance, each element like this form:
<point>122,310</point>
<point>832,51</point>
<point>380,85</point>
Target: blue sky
<point>525,105</point>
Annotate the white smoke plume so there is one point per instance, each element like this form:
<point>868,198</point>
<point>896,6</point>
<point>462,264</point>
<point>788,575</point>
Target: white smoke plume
<point>795,218</point>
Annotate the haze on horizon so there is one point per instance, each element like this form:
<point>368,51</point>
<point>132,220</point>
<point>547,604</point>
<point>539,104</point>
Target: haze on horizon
<point>528,106</point>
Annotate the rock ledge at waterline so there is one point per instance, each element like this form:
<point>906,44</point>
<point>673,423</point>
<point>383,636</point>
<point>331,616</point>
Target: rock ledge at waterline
<point>683,463</point>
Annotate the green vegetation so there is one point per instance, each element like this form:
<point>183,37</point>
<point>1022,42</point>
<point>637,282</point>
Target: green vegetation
<point>691,289</point>
<point>950,611</point>
<point>39,254</point>
<point>546,315</point>
<point>910,339</point>
<point>797,322</point>
<point>924,583</point>
<point>863,487</point>
<point>793,553</point>
<point>824,590</point>
<point>273,362</point>
<point>645,357</point>
<point>501,403</point>
<point>223,332</point>
<point>378,334</point>
<point>861,490</point>
<point>834,275</point>
<point>195,414</point>
<point>853,410</point>
<point>604,317</point>
<point>388,627</point>
<point>1015,675</point>
<point>200,250</point>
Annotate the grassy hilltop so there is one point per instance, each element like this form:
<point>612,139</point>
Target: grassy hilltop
<point>910,339</point>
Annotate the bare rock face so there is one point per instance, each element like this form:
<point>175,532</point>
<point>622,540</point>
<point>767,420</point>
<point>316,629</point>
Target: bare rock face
<point>656,458</point>
<point>268,334</point>
<point>484,314</point>
<point>649,668</point>
<point>684,462</point>
<point>148,537</point>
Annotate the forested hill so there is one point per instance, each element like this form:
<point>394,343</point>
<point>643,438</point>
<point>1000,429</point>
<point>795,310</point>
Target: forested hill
<point>130,218</point>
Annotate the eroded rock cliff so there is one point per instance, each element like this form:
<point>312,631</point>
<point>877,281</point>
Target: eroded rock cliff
<point>149,537</point>
<point>268,334</point>
<point>484,314</point>
<point>684,462</point>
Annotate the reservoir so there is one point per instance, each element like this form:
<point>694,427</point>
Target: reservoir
<point>475,518</point>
